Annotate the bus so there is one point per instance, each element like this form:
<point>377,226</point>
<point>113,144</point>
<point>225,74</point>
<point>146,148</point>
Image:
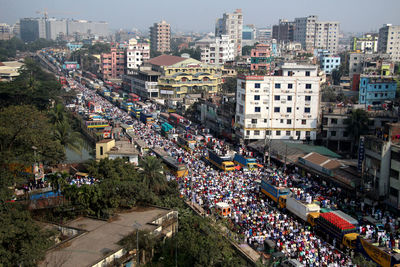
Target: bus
<point>99,124</point>
<point>186,143</point>
<point>176,168</point>
<point>133,97</point>
<point>175,119</point>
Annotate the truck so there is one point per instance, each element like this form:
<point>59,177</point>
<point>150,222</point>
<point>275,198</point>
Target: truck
<point>223,163</point>
<point>305,211</point>
<point>380,255</point>
<point>276,193</point>
<point>245,162</point>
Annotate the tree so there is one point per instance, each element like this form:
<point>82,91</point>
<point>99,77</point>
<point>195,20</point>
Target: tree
<point>152,173</point>
<point>67,137</point>
<point>58,181</point>
<point>230,85</point>
<point>246,50</point>
<point>357,125</point>
<point>336,76</point>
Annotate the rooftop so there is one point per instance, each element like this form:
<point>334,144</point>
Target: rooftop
<point>165,60</point>
<point>123,148</point>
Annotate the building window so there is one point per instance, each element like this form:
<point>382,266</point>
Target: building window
<point>257,132</point>
<point>297,133</point>
<point>308,134</point>
<point>277,86</point>
<point>308,98</point>
<point>253,121</point>
<point>333,133</point>
<point>278,133</point>
<point>257,97</point>
<point>307,73</point>
<point>394,192</point>
<point>257,109</point>
<point>243,85</point>
<point>287,133</point>
<point>289,121</point>
<point>265,120</point>
<point>247,132</point>
<point>240,109</point>
<point>277,109</point>
<point>345,134</point>
<point>303,122</point>
<point>333,121</point>
<point>307,110</point>
<point>324,133</point>
<point>281,120</point>
<point>308,85</point>
<point>289,110</point>
<point>101,151</point>
<point>395,156</point>
<point>277,97</point>
<point>290,86</point>
<point>268,132</point>
<point>289,98</point>
<point>394,174</point>
<point>257,85</point>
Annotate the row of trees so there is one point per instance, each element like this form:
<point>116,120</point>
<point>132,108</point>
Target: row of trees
<point>9,48</point>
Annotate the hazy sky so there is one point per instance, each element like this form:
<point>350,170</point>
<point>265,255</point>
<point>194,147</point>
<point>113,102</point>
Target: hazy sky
<point>200,15</point>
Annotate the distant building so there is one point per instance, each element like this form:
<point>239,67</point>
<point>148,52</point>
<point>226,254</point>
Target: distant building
<point>6,32</point>
<point>261,58</point>
<point>144,82</point>
<point>217,51</point>
<point>375,64</point>
<point>282,106</point>
<point>284,31</point>
<point>32,29</point>
<point>9,70</point>
<point>160,37</point>
<point>136,54</point>
<point>74,46</point>
<point>264,35</point>
<point>375,90</point>
<point>304,31</point>
<point>231,24</point>
<point>366,44</point>
<point>113,64</point>
<point>329,62</point>
<point>55,28</point>
<point>249,32</point>
<point>84,27</point>
<point>389,41</point>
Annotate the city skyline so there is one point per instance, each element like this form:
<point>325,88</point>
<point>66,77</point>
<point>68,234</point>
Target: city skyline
<point>185,17</point>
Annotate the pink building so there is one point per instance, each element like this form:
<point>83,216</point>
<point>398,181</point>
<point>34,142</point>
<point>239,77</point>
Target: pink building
<point>261,58</point>
<point>113,64</point>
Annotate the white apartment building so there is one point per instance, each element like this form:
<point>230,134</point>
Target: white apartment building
<point>389,41</point>
<point>284,106</point>
<point>327,36</point>
<point>55,28</point>
<point>218,51</point>
<point>136,54</point>
<point>231,24</point>
<point>304,31</point>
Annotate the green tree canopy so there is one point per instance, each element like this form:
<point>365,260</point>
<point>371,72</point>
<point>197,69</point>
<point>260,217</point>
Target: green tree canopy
<point>357,125</point>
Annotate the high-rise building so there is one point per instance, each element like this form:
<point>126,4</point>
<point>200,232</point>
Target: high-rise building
<point>6,32</point>
<point>282,106</point>
<point>304,31</point>
<point>261,58</point>
<point>160,37</point>
<point>113,64</point>
<point>327,36</point>
<point>32,29</point>
<point>284,31</point>
<point>55,28</point>
<point>136,54</point>
<point>389,41</point>
<point>217,51</point>
<point>99,28</point>
<point>231,24</point>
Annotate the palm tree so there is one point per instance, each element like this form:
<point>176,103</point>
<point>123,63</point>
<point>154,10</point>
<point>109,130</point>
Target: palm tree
<point>58,114</point>
<point>357,125</point>
<point>153,176</point>
<point>67,137</point>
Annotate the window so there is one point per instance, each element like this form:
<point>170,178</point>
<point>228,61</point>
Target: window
<point>257,85</point>
<point>308,98</point>
<point>290,86</point>
<point>243,85</point>
<point>333,121</point>
<point>257,109</point>
<point>395,156</point>
<point>307,110</point>
<point>289,121</point>
<point>297,133</point>
<point>345,134</point>
<point>101,151</point>
<point>257,97</point>
<point>268,132</point>
<point>394,192</point>
<point>247,132</point>
<point>277,86</point>
<point>241,109</point>
<point>308,85</point>
<point>278,133</point>
<point>307,73</point>
<point>333,133</point>
<point>265,120</point>
<point>303,122</point>
<point>287,133</point>
<point>277,97</point>
<point>277,109</point>
<point>289,98</point>
<point>289,110</point>
<point>257,132</point>
<point>324,133</point>
<point>394,174</point>
<point>253,121</point>
<point>307,133</point>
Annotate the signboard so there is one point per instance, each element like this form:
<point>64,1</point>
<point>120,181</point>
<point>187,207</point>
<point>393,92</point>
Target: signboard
<point>70,65</point>
<point>166,92</point>
<point>361,153</point>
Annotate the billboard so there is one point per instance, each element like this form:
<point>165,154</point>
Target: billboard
<point>70,65</point>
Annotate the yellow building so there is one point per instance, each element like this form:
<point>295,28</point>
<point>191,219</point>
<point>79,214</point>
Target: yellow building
<point>181,76</point>
<point>102,147</point>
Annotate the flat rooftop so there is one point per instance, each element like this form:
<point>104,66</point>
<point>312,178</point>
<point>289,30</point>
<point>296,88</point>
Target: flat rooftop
<point>100,237</point>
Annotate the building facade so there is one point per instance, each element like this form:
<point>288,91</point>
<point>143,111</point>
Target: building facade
<point>231,24</point>
<point>328,63</point>
<point>389,41</point>
<point>375,90</point>
<point>304,31</point>
<point>55,28</point>
<point>218,51</point>
<point>284,31</point>
<point>6,32</point>
<point>327,36</point>
<point>283,106</point>
<point>366,44</point>
<point>32,29</point>
<point>376,64</point>
<point>160,37</point>
<point>261,58</point>
<point>113,64</point>
<point>136,54</point>
<point>144,82</point>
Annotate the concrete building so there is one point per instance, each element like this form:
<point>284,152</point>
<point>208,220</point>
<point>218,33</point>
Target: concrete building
<point>9,70</point>
<point>261,58</point>
<point>6,32</point>
<point>144,82</point>
<point>181,76</point>
<point>249,32</point>
<point>84,27</point>
<point>282,106</point>
<point>389,41</point>
<point>394,177</point>
<point>55,28</point>
<point>136,54</point>
<point>264,35</point>
<point>304,31</point>
<point>231,24</point>
<point>217,51</point>
<point>102,147</point>
<point>376,64</point>
<point>160,37</point>
<point>329,62</point>
<point>32,29</point>
<point>375,90</point>
<point>327,36</point>
<point>113,64</point>
<point>284,31</point>
<point>366,44</point>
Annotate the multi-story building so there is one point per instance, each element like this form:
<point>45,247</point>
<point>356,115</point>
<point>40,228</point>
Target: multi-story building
<point>249,35</point>
<point>284,31</point>
<point>136,54</point>
<point>6,32</point>
<point>378,64</point>
<point>366,44</point>
<point>327,36</point>
<point>84,27</point>
<point>217,51</point>
<point>144,82</point>
<point>389,41</point>
<point>282,106</point>
<point>261,58</point>
<point>181,76</point>
<point>329,62</point>
<point>264,35</point>
<point>304,31</point>
<point>231,24</point>
<point>113,64</point>
<point>394,177</point>
<point>55,28</point>
<point>375,90</point>
<point>160,37</point>
<point>32,29</point>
